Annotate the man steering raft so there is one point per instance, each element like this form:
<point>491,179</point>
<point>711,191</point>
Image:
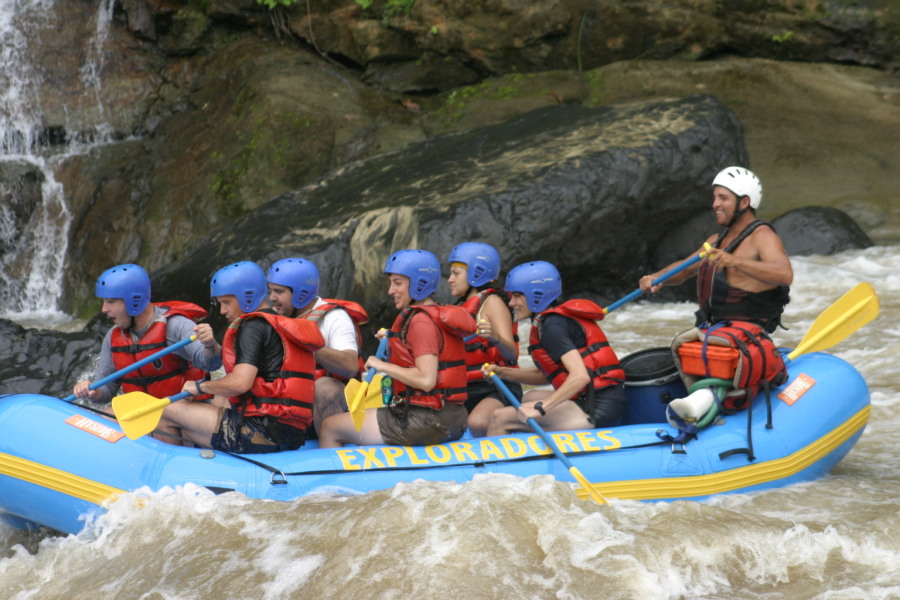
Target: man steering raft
<point>746,274</point>
<point>742,288</point>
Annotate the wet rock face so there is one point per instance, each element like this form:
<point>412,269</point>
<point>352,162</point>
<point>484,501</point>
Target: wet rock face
<point>434,45</point>
<point>46,362</point>
<point>210,114</point>
<point>591,190</point>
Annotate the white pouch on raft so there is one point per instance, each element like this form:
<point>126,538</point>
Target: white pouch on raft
<point>691,408</point>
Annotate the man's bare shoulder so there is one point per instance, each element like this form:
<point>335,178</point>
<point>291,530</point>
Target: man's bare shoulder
<point>765,235</point>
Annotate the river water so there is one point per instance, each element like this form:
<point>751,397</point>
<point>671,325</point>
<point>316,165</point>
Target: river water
<point>501,537</point>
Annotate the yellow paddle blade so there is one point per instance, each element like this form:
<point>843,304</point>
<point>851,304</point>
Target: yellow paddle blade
<point>357,412</point>
<point>138,413</point>
<point>373,398</point>
<point>850,312</point>
<point>350,389</point>
<point>590,490</point>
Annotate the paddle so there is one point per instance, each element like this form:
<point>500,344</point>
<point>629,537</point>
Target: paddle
<point>581,479</point>
<point>139,413</point>
<point>355,391</point>
<point>670,273</point>
<point>126,370</point>
<point>847,314</point>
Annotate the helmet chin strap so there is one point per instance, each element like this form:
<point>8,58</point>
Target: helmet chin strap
<point>737,212</point>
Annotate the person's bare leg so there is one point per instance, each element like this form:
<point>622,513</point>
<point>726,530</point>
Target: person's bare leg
<point>329,400</point>
<point>339,429</point>
<point>566,415</point>
<point>480,417</point>
<point>193,421</point>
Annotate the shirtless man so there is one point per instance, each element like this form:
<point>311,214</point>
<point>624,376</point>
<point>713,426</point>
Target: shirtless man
<point>747,273</point>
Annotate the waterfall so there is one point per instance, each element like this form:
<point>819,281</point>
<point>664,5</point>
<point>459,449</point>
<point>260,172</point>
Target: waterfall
<point>34,214</point>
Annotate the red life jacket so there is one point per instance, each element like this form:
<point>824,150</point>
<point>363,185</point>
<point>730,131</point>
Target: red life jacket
<point>162,377</point>
<point>599,358</point>
<point>481,350</point>
<point>289,396</point>
<point>358,315</point>
<point>757,363</point>
<point>454,322</point>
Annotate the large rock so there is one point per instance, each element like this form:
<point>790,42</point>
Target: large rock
<point>819,230</point>
<point>45,362</point>
<point>591,190</point>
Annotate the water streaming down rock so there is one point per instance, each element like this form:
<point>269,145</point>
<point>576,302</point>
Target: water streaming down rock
<point>34,215</point>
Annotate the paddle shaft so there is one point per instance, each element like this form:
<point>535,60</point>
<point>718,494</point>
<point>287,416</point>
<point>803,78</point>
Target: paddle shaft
<point>126,370</point>
<point>670,273</point>
<point>379,354</point>
<point>581,479</point>
<point>531,422</point>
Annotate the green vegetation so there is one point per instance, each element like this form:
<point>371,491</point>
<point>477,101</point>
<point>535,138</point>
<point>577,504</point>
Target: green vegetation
<point>391,8</point>
<point>595,82</point>
<point>516,85</point>
<point>578,43</point>
<point>273,4</point>
<point>780,39</point>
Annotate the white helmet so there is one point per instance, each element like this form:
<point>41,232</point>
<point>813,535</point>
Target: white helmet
<point>742,182</point>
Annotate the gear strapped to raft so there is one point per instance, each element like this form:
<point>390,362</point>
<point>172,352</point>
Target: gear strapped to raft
<point>734,360</point>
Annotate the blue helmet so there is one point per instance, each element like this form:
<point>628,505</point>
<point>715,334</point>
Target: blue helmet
<point>245,280</point>
<point>421,266</point>
<point>128,282</point>
<point>539,281</point>
<point>481,260</point>
<point>300,275</point>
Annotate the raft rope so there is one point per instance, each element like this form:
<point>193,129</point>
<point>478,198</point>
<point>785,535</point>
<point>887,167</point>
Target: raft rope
<point>280,477</point>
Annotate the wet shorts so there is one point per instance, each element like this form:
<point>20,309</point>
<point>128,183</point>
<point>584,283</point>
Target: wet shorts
<point>421,426</point>
<point>254,435</point>
<point>478,390</point>
<point>609,405</point>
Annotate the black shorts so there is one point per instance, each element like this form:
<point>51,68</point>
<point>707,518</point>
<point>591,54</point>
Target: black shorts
<point>254,435</point>
<point>421,426</point>
<point>479,389</point>
<point>609,405</point>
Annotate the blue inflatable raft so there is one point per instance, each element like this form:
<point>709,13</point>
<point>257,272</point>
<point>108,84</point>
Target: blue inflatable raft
<point>60,463</point>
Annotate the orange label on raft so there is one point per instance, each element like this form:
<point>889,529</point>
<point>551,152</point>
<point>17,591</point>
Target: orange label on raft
<point>796,389</point>
<point>94,428</point>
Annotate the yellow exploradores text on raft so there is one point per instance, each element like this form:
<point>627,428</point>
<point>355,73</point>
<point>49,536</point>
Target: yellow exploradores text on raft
<point>480,450</point>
